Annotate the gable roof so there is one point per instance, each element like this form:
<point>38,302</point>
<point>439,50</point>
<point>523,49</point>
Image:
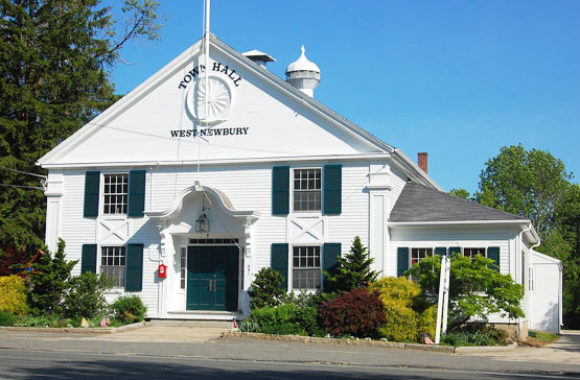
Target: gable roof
<point>418,203</point>
<point>393,155</point>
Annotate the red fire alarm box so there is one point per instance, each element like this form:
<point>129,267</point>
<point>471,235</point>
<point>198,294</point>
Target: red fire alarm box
<point>162,271</point>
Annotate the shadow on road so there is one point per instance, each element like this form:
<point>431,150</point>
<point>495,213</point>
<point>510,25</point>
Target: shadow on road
<point>139,369</point>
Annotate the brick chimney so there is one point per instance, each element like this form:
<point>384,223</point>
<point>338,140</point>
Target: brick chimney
<point>423,161</point>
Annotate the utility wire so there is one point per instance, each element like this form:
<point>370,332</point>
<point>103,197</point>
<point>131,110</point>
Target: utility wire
<point>22,187</point>
<point>23,172</point>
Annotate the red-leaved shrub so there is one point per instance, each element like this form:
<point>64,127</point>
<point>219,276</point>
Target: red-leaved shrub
<point>357,313</point>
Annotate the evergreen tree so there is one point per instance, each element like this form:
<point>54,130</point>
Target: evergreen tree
<point>49,280</point>
<point>53,79</point>
<point>352,271</point>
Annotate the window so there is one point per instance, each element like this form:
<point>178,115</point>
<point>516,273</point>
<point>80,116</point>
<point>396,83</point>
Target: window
<point>182,267</point>
<point>113,264</point>
<point>306,272</point>
<point>471,252</point>
<point>418,254</point>
<point>115,193</point>
<point>307,189</point>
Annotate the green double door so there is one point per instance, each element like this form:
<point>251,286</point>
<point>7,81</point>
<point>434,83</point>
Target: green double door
<point>212,278</point>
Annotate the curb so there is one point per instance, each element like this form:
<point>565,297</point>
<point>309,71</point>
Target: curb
<point>368,342</point>
<point>76,330</point>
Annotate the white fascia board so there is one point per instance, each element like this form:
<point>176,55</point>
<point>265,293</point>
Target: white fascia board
<point>299,96</point>
<point>286,159</point>
<point>410,168</point>
<point>117,108</point>
<point>458,223</point>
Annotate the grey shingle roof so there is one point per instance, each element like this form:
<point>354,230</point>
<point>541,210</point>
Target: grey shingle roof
<point>418,203</point>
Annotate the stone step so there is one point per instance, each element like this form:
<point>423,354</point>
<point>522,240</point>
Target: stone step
<point>193,323</point>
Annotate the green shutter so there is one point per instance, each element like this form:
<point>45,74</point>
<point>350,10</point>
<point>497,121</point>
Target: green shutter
<point>453,250</point>
<point>136,193</point>
<point>332,189</point>
<point>279,261</point>
<point>92,180</point>
<point>89,258</point>
<point>493,253</point>
<point>441,251</point>
<point>280,190</point>
<point>134,268</point>
<point>402,260</point>
<point>330,256</point>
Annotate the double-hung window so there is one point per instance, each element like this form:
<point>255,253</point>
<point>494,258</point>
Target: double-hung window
<point>306,269</point>
<point>418,254</point>
<point>471,252</point>
<point>116,188</point>
<point>113,264</point>
<point>307,189</point>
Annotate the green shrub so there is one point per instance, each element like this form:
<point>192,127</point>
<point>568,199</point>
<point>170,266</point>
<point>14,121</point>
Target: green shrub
<point>13,295</point>
<point>49,281</point>
<point>266,289</point>
<point>85,297</point>
<point>427,322</point>
<point>353,271</point>
<point>407,315</point>
<point>129,309</point>
<point>356,313</point>
<point>7,319</point>
<point>284,319</point>
<point>475,335</point>
<point>41,320</point>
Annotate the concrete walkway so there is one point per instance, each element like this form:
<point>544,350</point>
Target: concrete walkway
<point>565,350</point>
<point>159,332</point>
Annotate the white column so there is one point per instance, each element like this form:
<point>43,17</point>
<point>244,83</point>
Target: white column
<point>53,193</point>
<point>378,189</point>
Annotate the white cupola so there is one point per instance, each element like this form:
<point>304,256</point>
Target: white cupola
<point>303,74</point>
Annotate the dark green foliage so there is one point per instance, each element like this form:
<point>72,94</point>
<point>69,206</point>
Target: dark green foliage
<point>357,313</point>
<point>266,290</point>
<point>527,183</point>
<point>535,184</point>
<point>296,315</point>
<point>7,319</point>
<point>460,193</point>
<point>353,271</point>
<point>475,289</point>
<point>54,78</point>
<point>129,309</point>
<point>85,297</point>
<point>49,281</point>
<point>476,335</point>
<point>284,319</point>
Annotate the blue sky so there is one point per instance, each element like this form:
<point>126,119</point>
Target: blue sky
<point>457,79</point>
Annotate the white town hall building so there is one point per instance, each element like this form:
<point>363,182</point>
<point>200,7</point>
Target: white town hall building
<point>215,168</point>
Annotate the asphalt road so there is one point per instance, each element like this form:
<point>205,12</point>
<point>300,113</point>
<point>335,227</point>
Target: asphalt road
<point>73,356</point>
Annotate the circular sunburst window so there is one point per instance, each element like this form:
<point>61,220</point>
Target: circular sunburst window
<point>211,104</point>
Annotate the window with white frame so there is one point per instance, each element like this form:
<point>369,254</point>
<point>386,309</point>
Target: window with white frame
<point>306,270</point>
<point>182,267</point>
<point>307,189</point>
<point>113,264</point>
<point>471,252</point>
<point>418,254</point>
<point>116,187</point>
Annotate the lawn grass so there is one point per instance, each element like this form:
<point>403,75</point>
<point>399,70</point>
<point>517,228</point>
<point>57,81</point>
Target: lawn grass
<point>540,339</point>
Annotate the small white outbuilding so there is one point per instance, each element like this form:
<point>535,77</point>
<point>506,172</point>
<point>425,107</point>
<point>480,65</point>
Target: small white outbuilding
<point>545,285</point>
